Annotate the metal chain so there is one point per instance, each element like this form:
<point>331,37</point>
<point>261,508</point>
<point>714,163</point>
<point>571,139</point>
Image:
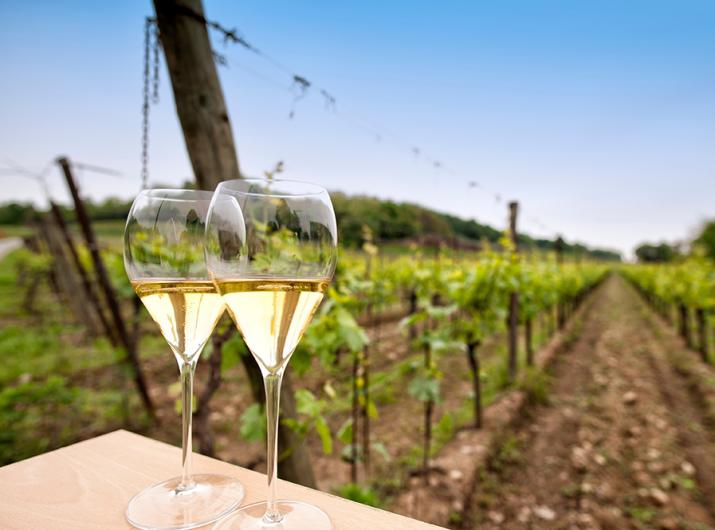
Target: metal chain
<point>145,106</point>
<point>155,74</point>
<point>151,78</point>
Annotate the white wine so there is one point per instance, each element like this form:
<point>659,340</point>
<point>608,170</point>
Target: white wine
<point>272,314</point>
<point>186,310</point>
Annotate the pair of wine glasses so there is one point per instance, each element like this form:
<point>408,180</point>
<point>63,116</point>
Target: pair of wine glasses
<point>265,250</point>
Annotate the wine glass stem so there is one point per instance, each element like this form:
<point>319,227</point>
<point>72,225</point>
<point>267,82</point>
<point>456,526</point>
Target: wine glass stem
<point>186,370</point>
<point>272,383</point>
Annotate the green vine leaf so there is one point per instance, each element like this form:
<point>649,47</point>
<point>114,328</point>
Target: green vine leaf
<point>424,389</point>
<point>253,423</point>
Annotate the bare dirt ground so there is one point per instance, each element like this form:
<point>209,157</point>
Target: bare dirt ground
<point>397,427</point>
<point>622,443</point>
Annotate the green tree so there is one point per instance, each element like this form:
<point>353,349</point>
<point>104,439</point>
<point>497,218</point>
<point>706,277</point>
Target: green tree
<point>705,242</point>
<point>661,253</point>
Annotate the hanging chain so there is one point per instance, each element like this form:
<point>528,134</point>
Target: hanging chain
<point>155,81</point>
<point>151,79</point>
<point>145,107</point>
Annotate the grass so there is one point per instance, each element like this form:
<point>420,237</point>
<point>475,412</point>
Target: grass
<point>509,452</point>
<point>535,383</point>
<point>57,385</point>
<point>48,342</point>
<point>642,514</point>
<point>495,382</point>
<point>51,396</point>
<point>29,411</point>
<point>27,353</point>
<point>10,302</point>
<point>362,494</point>
<point>14,231</point>
<point>109,232</point>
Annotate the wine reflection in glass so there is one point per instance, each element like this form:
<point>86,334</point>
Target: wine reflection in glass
<point>271,250</point>
<point>164,259</point>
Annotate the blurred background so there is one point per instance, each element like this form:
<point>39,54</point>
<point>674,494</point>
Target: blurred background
<point>503,175</point>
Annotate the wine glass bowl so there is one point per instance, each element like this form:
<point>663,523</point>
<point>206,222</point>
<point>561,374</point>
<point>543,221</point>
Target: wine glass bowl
<point>271,250</point>
<point>271,228</point>
<point>164,259</point>
<point>164,234</point>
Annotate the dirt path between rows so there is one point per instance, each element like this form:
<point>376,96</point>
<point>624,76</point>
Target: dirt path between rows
<point>620,444</point>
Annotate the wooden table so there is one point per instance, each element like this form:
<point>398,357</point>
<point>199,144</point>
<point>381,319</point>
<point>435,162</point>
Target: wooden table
<point>88,484</point>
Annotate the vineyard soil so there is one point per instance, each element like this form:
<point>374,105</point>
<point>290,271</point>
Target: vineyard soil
<point>394,406</point>
<point>622,442</point>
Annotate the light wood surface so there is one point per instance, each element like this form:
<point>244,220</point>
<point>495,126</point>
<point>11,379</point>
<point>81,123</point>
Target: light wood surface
<point>87,486</point>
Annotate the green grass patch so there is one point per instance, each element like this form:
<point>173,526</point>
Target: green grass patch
<point>46,357</point>
<point>15,231</point>
<point>641,514</point>
<point>28,353</point>
<point>362,494</point>
<point>535,383</point>
<point>39,416</point>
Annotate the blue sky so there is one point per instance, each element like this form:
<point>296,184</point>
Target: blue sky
<point>599,117</point>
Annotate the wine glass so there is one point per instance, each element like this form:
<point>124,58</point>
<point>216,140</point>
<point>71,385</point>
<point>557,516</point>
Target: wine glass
<point>164,259</point>
<point>271,249</point>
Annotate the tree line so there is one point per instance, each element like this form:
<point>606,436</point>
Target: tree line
<point>388,222</point>
<point>703,244</point>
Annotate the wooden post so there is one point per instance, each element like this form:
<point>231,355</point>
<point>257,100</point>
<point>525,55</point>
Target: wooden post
<point>559,245</point>
<point>67,281</point>
<point>428,411</point>
<point>365,412</point>
<point>202,432</point>
<point>684,323</point>
<point>106,286</point>
<point>560,309</point>
<point>198,96</point>
<point>36,246</point>
<point>412,309</point>
<point>702,333</point>
<point>209,141</point>
<point>89,292</point>
<point>473,359</point>
<point>355,414</point>
<point>513,299</point>
<point>28,278</point>
<point>529,342</point>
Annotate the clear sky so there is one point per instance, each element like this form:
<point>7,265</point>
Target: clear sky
<point>599,117</point>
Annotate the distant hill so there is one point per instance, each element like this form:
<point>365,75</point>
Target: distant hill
<point>389,222</point>
<point>392,221</point>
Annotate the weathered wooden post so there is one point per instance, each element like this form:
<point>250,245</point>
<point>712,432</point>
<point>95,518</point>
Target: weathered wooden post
<point>411,310</point>
<point>513,298</point>
<point>370,249</point>
<point>529,339</point>
<point>67,281</point>
<point>88,291</point>
<point>208,136</point>
<point>559,245</point>
<point>684,323</point>
<point>702,333</point>
<point>106,286</point>
<point>202,412</point>
<point>199,99</point>
<point>355,413</point>
<point>473,359</point>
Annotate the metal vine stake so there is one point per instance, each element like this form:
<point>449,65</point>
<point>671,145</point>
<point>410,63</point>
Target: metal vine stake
<point>150,89</point>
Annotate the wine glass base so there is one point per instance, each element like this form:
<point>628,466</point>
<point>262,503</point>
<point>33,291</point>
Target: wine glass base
<point>296,516</point>
<point>163,507</point>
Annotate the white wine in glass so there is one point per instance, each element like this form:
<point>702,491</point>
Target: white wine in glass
<point>271,250</point>
<point>186,311</point>
<point>164,259</point>
<point>272,314</point>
